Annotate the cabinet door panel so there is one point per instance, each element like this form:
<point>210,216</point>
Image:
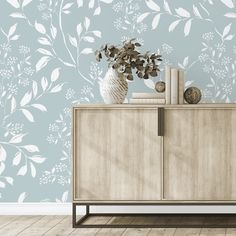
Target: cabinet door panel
<point>200,154</point>
<point>117,154</point>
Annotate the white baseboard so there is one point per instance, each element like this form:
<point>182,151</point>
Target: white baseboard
<point>35,208</point>
<point>66,209</point>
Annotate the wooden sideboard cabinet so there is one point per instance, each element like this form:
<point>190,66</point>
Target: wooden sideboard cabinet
<point>151,154</point>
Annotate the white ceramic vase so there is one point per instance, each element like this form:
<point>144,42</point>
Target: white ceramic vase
<point>114,87</point>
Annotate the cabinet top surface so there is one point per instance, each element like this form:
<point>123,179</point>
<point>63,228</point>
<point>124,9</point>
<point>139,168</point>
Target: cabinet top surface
<point>184,106</point>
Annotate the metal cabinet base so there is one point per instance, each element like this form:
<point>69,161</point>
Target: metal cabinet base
<point>212,222</point>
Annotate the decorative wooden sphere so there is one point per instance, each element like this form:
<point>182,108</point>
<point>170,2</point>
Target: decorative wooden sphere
<point>160,87</point>
<point>192,95</point>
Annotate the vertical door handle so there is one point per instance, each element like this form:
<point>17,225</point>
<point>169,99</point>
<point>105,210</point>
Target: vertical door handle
<point>160,121</point>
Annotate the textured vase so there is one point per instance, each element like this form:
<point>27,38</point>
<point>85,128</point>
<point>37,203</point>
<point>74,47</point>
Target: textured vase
<point>113,88</point>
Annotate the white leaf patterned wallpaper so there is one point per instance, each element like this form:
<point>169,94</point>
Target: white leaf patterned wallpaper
<point>47,65</point>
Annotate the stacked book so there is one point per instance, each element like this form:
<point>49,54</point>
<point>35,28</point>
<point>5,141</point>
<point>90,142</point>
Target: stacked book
<point>174,92</point>
<point>148,98</point>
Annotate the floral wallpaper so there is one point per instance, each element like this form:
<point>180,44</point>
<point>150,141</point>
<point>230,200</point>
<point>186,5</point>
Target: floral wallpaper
<point>47,65</point>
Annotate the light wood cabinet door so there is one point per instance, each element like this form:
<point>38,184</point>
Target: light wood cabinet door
<point>117,154</point>
<point>200,154</point>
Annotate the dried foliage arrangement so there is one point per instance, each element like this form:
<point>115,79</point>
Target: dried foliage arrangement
<point>126,58</point>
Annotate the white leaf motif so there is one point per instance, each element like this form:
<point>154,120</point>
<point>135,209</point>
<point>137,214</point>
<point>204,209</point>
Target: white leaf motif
<point>17,138</point>
<point>17,15</point>
<point>230,15</point>
<point>182,12</point>
<point>149,83</point>
<point>13,104</point>
<point>196,12</point>
<point>39,106</point>
<point>22,171</point>
<point>40,28</point>
<point>188,83</point>
<point>26,99</point>
<point>97,33</point>
<point>44,51</point>
<point>166,6</point>
<point>91,3</point>
<point>79,29</point>
<point>97,11</point>
<point>89,39</point>
<point>53,30</point>
<point>57,88</point>
<point>152,5</point>
<point>67,5</point>
<point>9,180</point>
<point>155,21</point>
<point>17,159</point>
<point>86,23</point>
<point>33,170</point>
<point>87,51</point>
<point>73,41</point>
<point>185,62</point>
<point>26,2</point>
<point>44,41</point>
<point>22,197</point>
<point>64,196</point>
<point>226,30</point>
<point>12,30</point>
<point>2,167</point>
<point>37,159</point>
<point>229,37</point>
<point>79,3</point>
<point>44,83</point>
<point>35,88</point>
<point>55,74</point>
<point>228,3</point>
<point>28,115</point>
<point>15,37</point>
<point>187,27</point>
<point>2,184</point>
<point>142,17</point>
<point>31,148</point>
<point>173,25</point>
<point>14,3</point>
<point>107,1</point>
<point>3,154</point>
<point>43,61</point>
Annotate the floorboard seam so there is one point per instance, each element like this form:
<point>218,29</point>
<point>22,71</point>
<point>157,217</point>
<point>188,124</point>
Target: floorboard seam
<point>54,225</point>
<point>29,226</point>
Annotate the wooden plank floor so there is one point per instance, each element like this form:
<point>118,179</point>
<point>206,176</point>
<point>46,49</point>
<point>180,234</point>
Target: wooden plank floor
<point>61,226</point>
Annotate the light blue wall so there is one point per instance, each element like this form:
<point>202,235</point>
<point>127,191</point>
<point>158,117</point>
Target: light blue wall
<point>46,67</point>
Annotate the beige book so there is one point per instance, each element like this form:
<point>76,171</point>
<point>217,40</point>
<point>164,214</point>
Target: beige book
<point>181,86</point>
<point>147,100</point>
<point>148,95</point>
<point>174,86</point>
<point>168,84</point>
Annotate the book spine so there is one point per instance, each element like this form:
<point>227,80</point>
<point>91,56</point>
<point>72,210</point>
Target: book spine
<point>148,95</point>
<point>168,84</point>
<point>181,86</point>
<point>146,101</point>
<point>174,86</point>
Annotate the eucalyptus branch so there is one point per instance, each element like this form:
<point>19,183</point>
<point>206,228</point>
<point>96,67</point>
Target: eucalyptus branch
<point>126,58</point>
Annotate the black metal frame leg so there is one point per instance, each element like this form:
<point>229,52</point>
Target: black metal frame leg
<point>79,223</point>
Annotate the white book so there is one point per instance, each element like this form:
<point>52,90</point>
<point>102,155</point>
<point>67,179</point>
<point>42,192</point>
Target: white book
<point>147,100</point>
<point>168,84</point>
<point>181,86</point>
<point>148,95</point>
<point>174,86</point>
